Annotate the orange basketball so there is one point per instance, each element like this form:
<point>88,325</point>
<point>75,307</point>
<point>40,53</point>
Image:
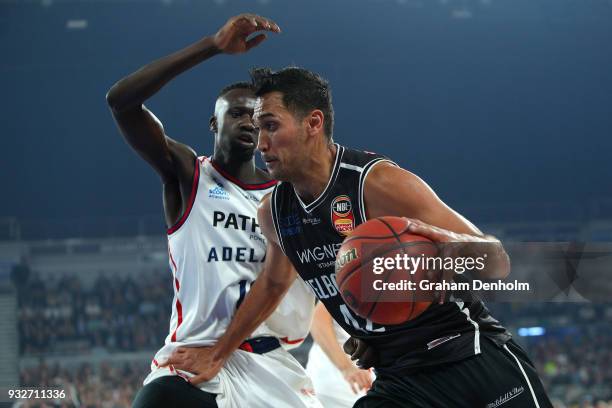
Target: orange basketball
<point>359,271</point>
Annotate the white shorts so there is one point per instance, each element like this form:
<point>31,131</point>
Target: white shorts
<point>274,379</point>
<point>330,386</point>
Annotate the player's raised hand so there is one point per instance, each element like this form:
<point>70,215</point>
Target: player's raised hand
<point>201,361</point>
<point>357,378</point>
<point>232,38</point>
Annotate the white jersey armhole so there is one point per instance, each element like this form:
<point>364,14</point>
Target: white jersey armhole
<point>192,196</point>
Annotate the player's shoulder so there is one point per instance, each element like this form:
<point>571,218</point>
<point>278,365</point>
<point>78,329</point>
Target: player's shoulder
<point>181,151</point>
<point>386,173</point>
<point>264,215</point>
<point>359,158</point>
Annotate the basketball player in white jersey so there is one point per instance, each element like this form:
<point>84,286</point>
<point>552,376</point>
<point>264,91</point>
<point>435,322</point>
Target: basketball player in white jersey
<point>337,380</point>
<point>215,247</point>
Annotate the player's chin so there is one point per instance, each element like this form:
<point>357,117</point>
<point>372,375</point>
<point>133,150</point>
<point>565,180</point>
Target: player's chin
<point>275,171</point>
<point>243,150</point>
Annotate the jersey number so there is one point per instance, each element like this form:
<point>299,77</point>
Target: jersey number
<point>350,320</point>
<point>244,286</point>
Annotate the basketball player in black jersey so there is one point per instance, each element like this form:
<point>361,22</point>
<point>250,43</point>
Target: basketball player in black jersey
<point>453,355</point>
<point>174,162</point>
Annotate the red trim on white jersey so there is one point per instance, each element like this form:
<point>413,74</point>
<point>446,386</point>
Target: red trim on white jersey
<point>178,305</point>
<point>287,341</point>
<point>246,347</point>
<point>192,196</point>
<point>242,185</point>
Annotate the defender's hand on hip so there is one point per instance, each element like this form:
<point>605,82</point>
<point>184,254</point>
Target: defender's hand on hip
<point>201,361</point>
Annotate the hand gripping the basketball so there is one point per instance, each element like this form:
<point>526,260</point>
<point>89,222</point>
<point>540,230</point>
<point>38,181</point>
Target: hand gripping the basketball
<point>441,236</point>
<point>203,362</point>
<point>359,350</point>
<point>232,38</point>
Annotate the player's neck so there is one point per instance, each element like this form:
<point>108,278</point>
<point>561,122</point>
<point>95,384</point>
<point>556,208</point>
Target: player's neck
<point>311,182</point>
<point>245,171</point>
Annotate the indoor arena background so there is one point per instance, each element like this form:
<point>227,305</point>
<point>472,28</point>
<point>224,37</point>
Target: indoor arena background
<point>503,106</point>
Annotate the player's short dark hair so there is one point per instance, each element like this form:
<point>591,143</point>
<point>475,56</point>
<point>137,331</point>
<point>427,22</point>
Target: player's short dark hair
<point>303,91</point>
<point>235,85</point>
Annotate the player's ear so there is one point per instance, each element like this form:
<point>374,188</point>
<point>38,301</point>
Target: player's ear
<point>315,121</point>
<point>213,124</point>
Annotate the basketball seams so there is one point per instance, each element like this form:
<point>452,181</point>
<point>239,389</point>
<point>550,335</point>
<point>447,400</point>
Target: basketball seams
<point>397,237</point>
<point>394,234</point>
<point>397,242</point>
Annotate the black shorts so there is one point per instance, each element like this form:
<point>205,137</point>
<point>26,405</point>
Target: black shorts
<point>173,391</point>
<point>497,377</point>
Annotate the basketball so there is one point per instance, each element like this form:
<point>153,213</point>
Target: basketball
<point>356,262</point>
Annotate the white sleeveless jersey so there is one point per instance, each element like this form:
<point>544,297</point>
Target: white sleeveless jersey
<point>216,250</point>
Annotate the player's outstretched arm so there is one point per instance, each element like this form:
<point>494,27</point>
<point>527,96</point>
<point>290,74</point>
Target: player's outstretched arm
<point>263,298</point>
<point>390,190</point>
<point>141,129</point>
<point>323,334</point>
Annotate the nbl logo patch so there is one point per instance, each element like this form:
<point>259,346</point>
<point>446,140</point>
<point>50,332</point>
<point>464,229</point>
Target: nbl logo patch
<point>342,215</point>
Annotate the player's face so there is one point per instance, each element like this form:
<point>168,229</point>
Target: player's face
<point>236,134</point>
<point>281,136</point>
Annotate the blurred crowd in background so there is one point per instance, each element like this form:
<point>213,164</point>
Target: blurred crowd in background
<point>116,314</point>
<point>120,314</point>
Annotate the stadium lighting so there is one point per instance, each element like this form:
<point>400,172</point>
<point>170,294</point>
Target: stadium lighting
<point>531,331</point>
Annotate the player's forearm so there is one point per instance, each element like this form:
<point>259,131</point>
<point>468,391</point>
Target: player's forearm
<point>496,263</point>
<point>323,334</point>
<point>137,87</point>
<point>260,302</point>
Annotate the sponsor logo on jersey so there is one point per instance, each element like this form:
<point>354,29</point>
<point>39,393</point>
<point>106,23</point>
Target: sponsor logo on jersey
<point>319,253</point>
<point>290,225</point>
<point>346,257</point>
<point>342,215</point>
<point>218,191</point>
<point>311,221</point>
<point>441,340</point>
<point>251,197</point>
<point>513,393</point>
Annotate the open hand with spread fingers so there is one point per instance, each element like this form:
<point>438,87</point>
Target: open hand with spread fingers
<point>232,38</point>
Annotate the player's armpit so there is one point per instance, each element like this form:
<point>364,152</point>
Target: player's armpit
<point>183,161</point>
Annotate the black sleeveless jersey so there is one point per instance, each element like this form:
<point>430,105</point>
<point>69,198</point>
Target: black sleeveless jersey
<point>310,236</point>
